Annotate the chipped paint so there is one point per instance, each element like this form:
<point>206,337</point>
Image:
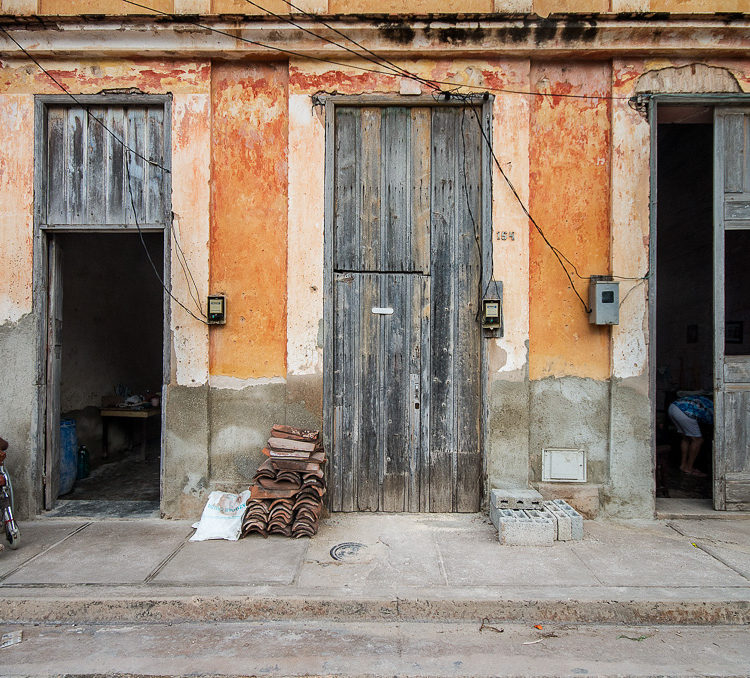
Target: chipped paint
<point>191,143</point>
<point>18,76</point>
<point>17,199</point>
<point>249,218</point>
<point>510,131</point>
<point>236,384</point>
<point>569,199</point>
<point>305,253</point>
<point>630,225</point>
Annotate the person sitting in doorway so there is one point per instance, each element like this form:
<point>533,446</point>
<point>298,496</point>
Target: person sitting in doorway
<point>687,414</point>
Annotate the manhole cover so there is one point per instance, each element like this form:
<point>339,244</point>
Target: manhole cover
<point>348,550</point>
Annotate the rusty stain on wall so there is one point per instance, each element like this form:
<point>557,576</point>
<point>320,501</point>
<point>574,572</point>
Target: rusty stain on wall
<point>569,199</point>
<point>249,218</point>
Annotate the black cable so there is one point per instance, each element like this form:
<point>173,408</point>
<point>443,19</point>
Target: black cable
<point>148,254</point>
<point>255,42</point>
<point>282,50</point>
<point>473,221</point>
<point>397,70</point>
<point>192,291</point>
<point>381,59</point>
<point>82,105</point>
<point>127,148</point>
<point>558,255</point>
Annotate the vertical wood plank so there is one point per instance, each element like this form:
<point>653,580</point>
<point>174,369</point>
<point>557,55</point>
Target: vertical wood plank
<point>370,226</point>
<point>442,413</point>
<point>96,176</point>
<point>370,401</point>
<point>56,176</point>
<point>135,176</point>
<point>116,167</point>
<point>76,165</point>
<point>467,348</point>
<point>396,231</point>
<point>734,152</point>
<point>54,372</point>
<point>396,403</point>
<point>420,189</point>
<point>154,151</point>
<point>345,397</point>
<point>423,354</point>
<point>346,196</point>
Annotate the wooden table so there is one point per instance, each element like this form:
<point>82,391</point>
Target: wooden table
<point>108,413</point>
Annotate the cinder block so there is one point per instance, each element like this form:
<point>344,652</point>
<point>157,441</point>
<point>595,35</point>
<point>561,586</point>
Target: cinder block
<point>569,521</point>
<point>516,499</point>
<point>525,527</point>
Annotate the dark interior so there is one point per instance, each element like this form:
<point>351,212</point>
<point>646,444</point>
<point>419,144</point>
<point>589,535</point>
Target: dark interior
<point>112,351</point>
<point>684,298</point>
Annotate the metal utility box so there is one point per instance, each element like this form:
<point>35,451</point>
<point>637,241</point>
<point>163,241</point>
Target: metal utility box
<point>563,465</point>
<point>217,309</point>
<point>604,300</point>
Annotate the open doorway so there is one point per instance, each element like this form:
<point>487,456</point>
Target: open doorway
<point>111,370</point>
<point>685,291</point>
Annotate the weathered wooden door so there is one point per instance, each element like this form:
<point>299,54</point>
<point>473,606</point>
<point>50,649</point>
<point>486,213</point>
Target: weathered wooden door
<point>99,168</point>
<point>53,371</point>
<point>406,225</point>
<point>732,309</point>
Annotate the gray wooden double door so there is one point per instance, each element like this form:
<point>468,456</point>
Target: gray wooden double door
<point>405,369</point>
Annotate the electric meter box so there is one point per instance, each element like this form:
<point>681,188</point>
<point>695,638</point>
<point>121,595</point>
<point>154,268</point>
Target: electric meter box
<point>217,309</point>
<point>604,300</point>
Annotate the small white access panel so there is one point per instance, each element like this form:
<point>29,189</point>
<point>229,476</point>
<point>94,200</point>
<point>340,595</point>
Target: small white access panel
<point>563,466</point>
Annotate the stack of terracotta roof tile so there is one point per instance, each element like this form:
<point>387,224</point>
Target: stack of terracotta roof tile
<point>286,496</point>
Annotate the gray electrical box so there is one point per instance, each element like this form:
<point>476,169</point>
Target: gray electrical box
<point>604,300</point>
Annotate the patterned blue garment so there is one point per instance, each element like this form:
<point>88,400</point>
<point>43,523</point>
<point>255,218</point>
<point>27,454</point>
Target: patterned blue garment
<point>697,407</point>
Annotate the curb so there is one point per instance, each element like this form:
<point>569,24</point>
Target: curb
<point>178,609</point>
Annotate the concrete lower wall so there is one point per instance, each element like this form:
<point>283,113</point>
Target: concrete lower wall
<point>214,435</point>
<point>18,411</point>
<point>609,420</point>
<point>630,491</point>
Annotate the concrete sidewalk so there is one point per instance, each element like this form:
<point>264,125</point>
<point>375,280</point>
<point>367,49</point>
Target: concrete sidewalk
<point>412,568</point>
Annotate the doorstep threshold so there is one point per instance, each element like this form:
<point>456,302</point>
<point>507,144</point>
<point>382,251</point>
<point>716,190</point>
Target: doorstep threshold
<point>668,508</point>
<point>103,509</point>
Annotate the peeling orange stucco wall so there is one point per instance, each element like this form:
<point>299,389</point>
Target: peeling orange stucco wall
<point>249,218</point>
<point>189,84</point>
<point>569,199</point>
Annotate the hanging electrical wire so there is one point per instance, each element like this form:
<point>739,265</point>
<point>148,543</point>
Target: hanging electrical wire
<point>457,85</point>
<point>392,69</point>
<point>132,152</point>
<point>159,276</point>
<point>99,121</point>
<point>365,54</point>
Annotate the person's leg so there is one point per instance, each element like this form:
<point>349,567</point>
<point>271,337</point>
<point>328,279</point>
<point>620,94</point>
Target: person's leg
<point>694,448</point>
<point>684,448</point>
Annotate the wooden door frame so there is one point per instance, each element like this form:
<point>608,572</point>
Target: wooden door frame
<point>654,100</point>
<point>330,103</point>
<point>43,235</point>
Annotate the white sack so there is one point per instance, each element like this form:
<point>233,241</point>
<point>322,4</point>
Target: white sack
<point>222,516</point>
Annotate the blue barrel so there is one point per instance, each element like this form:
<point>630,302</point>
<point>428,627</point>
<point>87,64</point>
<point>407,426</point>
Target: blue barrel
<point>68,455</point>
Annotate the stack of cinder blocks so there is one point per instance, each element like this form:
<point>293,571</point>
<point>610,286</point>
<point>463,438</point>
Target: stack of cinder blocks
<point>523,518</point>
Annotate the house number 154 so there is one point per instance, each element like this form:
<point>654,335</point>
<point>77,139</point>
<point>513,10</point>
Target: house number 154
<point>506,235</point>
